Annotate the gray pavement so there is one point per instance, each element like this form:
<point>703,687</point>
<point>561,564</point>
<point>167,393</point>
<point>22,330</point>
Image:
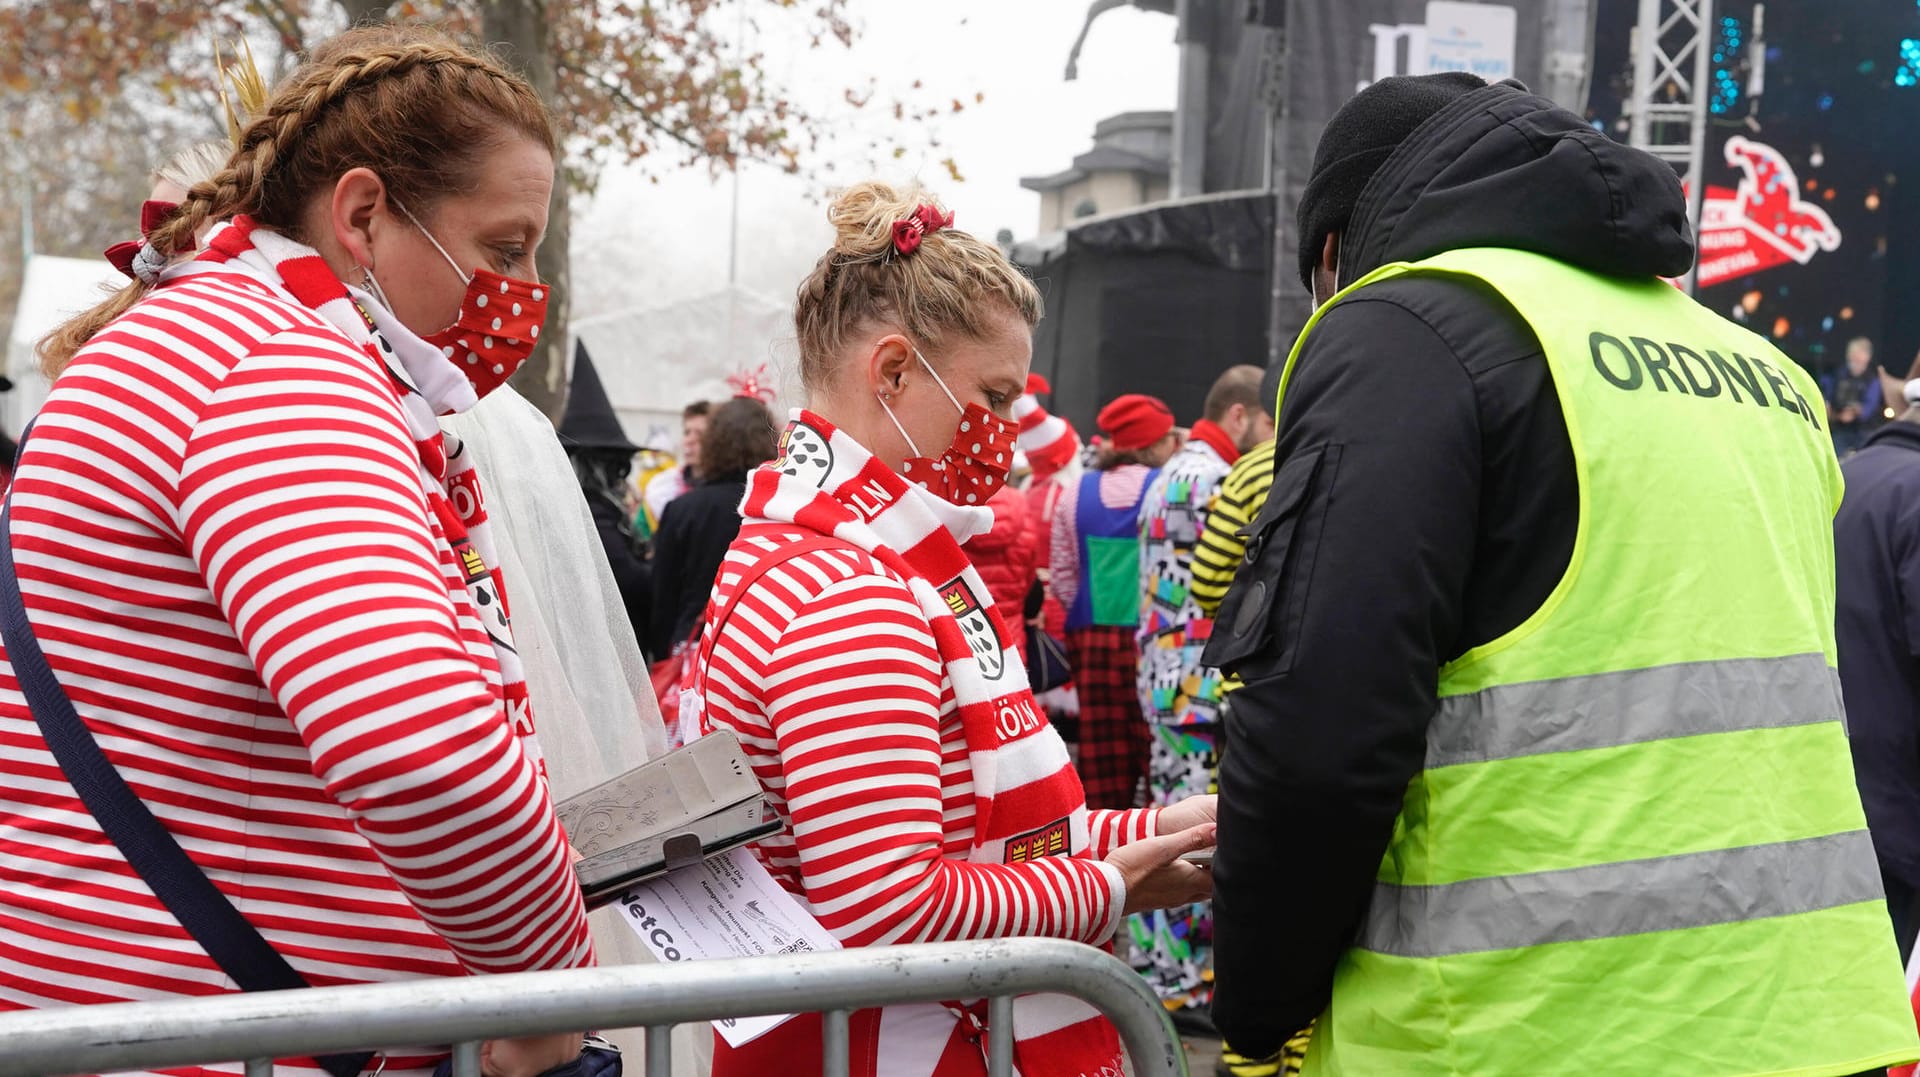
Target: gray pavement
<point>1202,1053</point>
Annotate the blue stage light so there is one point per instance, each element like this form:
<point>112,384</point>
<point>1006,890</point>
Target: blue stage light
<point>1909,73</point>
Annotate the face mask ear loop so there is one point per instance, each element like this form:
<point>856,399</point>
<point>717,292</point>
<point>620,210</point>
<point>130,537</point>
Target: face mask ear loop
<point>464,277</point>
<point>373,286</point>
<point>896,425</point>
<point>937,380</point>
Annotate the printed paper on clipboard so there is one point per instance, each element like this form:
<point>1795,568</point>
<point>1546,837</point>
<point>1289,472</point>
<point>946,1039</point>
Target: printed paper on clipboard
<point>724,907</point>
<point>696,802</point>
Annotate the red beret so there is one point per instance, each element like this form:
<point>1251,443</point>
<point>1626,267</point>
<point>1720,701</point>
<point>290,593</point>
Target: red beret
<point>1135,421</point>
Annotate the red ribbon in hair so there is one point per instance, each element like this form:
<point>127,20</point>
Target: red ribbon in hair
<point>152,215</point>
<point>922,222</point>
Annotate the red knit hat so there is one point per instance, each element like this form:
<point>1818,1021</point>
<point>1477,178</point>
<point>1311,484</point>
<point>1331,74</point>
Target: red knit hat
<point>1135,421</point>
<point>1048,440</point>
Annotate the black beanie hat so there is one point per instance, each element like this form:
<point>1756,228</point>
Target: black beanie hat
<point>1358,140</point>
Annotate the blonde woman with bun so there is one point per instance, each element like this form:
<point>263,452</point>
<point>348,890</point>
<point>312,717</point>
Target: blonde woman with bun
<point>242,93</point>
<point>265,583</point>
<point>878,692</point>
<point>185,169</point>
<point>188,169</point>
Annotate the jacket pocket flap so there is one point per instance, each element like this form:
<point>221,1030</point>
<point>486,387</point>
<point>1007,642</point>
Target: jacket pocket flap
<point>1245,625</point>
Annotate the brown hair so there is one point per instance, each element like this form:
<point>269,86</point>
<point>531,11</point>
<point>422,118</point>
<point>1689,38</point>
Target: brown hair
<point>1106,458</point>
<point>699,409</point>
<point>949,285</point>
<point>1239,385</point>
<point>740,436</point>
<point>407,102</point>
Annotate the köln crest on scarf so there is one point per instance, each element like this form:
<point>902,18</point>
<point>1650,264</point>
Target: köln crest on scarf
<point>977,624</point>
<point>804,454</point>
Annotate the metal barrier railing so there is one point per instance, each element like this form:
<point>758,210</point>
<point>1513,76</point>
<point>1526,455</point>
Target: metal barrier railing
<point>263,1026</point>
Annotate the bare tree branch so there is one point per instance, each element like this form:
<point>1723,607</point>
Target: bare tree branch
<point>282,19</point>
<point>641,112</point>
<point>645,115</point>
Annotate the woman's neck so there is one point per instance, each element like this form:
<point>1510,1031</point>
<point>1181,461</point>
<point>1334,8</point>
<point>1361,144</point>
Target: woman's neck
<point>867,425</point>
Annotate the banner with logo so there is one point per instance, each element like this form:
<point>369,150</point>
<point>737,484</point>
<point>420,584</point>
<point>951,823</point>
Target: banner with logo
<point>1763,222</point>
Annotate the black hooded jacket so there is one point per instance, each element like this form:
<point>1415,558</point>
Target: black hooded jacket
<point>1424,503</point>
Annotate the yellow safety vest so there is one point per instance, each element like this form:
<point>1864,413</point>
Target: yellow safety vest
<point>1636,848</point>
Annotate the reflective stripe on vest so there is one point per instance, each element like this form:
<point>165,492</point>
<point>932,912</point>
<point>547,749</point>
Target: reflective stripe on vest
<point>1632,897</point>
<point>1608,710</point>
<point>1635,846</point>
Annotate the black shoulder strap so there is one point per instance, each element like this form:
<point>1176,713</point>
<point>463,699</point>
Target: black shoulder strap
<point>233,943</point>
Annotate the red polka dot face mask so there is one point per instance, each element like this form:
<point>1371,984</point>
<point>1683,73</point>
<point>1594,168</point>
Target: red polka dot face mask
<point>975,465</point>
<point>498,324</point>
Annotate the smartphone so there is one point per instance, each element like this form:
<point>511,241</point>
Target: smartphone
<point>1200,857</point>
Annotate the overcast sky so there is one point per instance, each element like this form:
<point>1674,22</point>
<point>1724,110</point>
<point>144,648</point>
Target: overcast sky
<point>647,240</point>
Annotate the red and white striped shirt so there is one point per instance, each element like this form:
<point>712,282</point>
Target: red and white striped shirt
<point>828,673</point>
<point>224,546</point>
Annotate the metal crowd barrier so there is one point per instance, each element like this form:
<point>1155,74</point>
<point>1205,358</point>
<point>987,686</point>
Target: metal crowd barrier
<point>260,1027</point>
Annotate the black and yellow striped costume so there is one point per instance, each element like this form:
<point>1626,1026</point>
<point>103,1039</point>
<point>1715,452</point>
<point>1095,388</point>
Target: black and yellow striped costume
<point>1242,493</point>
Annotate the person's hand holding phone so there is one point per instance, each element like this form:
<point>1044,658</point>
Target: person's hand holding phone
<point>1155,875</point>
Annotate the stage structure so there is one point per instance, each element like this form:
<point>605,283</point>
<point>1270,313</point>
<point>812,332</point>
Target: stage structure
<point>1259,80</point>
<point>1667,113</point>
<point>1806,209</point>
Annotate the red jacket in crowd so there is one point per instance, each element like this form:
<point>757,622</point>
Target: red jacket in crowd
<point>1007,556</point>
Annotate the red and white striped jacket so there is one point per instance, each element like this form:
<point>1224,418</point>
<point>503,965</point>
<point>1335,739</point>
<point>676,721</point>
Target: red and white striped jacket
<point>224,546</point>
<point>828,674</point>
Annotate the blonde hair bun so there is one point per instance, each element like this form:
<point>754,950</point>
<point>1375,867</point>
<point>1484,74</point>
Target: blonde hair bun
<point>952,284</point>
<point>864,214</point>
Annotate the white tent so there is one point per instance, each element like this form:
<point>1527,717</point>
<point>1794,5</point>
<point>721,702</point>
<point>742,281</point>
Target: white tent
<point>54,290</point>
<point>654,361</point>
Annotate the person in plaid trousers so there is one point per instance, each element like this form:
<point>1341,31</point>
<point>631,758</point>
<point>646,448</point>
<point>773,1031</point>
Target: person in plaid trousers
<point>1096,576</point>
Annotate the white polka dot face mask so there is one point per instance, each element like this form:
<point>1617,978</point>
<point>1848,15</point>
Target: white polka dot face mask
<point>498,325</point>
<point>975,465</point>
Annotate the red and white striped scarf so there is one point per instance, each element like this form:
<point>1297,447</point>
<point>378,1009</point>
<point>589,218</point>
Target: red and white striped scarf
<point>428,385</point>
<point>1027,798</point>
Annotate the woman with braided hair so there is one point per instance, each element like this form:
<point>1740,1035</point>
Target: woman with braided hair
<point>257,583</point>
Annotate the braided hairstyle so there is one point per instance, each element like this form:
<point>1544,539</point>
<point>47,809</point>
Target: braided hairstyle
<point>408,103</point>
<point>951,284</point>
